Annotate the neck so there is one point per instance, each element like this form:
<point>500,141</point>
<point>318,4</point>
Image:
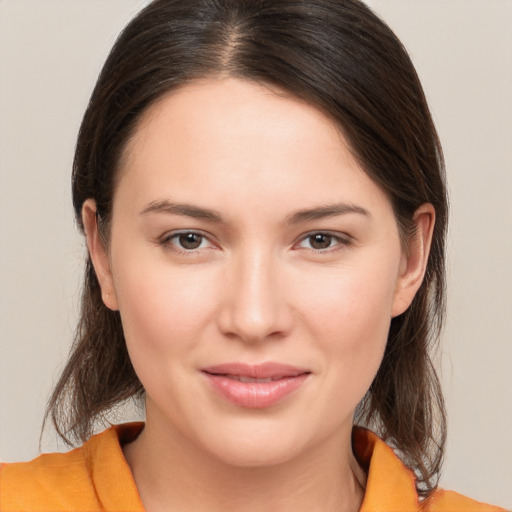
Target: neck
<point>170,471</point>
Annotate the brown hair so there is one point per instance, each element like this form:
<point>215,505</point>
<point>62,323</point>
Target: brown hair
<point>336,55</point>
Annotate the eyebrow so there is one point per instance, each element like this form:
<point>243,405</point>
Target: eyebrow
<point>330,210</point>
<point>187,210</point>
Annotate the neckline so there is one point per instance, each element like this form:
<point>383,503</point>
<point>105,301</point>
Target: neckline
<point>389,487</point>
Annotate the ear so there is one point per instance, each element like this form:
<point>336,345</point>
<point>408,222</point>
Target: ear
<point>99,254</point>
<point>414,261</point>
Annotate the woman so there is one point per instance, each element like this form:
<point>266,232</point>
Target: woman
<point>261,189</point>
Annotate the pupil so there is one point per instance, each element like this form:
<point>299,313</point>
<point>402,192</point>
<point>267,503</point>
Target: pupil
<point>190,241</point>
<point>321,241</point>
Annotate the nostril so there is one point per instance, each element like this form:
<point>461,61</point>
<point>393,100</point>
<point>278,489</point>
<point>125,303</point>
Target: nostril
<point>253,307</point>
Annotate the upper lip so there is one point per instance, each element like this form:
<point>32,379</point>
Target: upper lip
<point>267,370</point>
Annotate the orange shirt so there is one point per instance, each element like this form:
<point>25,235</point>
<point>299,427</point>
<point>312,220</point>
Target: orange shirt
<point>96,477</point>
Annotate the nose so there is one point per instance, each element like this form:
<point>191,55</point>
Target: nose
<point>255,306</point>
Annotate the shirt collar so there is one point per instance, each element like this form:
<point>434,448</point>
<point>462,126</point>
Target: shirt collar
<point>112,477</point>
<point>390,485</point>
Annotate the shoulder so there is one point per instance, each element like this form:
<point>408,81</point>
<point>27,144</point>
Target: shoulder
<point>49,482</point>
<point>391,486</point>
<point>92,477</point>
<point>449,501</point>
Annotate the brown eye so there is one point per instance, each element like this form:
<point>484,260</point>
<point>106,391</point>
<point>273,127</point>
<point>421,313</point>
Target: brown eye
<point>320,241</point>
<point>324,242</point>
<point>190,241</point>
<point>186,242</point>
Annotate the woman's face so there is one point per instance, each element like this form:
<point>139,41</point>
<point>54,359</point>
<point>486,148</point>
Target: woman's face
<point>256,269</point>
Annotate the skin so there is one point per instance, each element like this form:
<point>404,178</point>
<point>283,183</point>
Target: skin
<point>257,288</point>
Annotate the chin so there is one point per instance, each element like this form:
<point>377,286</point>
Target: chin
<point>257,445</point>
<point>248,455</point>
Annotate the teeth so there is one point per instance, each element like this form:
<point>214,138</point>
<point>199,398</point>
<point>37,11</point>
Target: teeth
<point>250,379</point>
<point>243,378</point>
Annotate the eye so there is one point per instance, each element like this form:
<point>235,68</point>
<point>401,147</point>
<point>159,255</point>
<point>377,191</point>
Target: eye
<point>186,241</point>
<point>322,241</point>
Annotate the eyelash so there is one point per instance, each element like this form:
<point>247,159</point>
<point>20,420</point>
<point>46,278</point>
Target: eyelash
<point>340,242</point>
<point>166,241</point>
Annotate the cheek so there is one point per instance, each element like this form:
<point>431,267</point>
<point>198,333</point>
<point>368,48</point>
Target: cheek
<point>164,315</point>
<point>163,310</point>
<point>353,301</point>
<point>350,316</point>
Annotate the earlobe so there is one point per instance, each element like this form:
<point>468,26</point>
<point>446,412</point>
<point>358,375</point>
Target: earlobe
<point>98,254</point>
<point>414,263</point>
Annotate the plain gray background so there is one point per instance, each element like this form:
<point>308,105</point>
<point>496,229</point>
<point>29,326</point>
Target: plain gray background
<point>50,54</point>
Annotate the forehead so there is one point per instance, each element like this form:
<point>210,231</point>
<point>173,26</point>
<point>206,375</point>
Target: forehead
<point>225,107</point>
<point>220,140</point>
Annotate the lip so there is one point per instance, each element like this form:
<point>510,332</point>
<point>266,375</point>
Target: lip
<point>255,386</point>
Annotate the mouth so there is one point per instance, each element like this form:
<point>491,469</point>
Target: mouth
<point>255,386</point>
<point>242,378</point>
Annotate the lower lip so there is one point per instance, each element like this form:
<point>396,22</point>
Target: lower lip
<point>255,395</point>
